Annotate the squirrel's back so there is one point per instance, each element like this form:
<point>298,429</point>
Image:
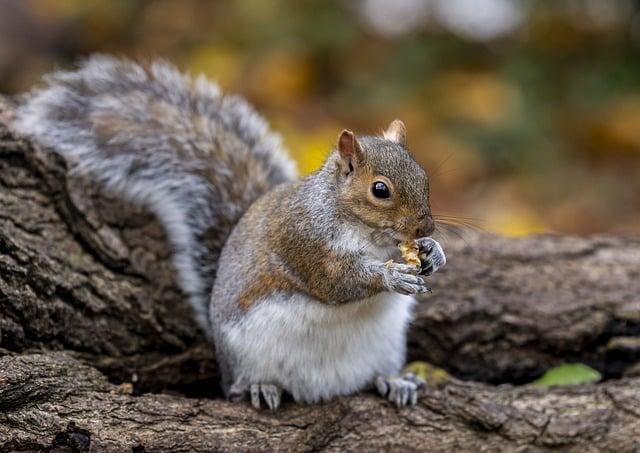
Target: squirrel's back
<point>174,144</point>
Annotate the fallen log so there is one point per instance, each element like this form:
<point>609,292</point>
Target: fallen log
<point>505,310</point>
<point>88,302</point>
<point>51,401</point>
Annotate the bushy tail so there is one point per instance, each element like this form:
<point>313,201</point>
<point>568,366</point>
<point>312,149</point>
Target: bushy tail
<point>159,138</point>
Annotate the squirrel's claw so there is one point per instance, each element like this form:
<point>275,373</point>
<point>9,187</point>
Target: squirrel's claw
<point>403,390</point>
<point>271,394</point>
<point>402,279</point>
<point>431,256</point>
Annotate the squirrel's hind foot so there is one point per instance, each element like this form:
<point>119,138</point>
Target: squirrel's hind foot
<point>402,390</point>
<point>269,393</point>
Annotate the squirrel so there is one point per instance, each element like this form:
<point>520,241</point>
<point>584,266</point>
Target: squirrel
<point>289,277</point>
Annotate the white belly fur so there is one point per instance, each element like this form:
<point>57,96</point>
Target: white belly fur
<point>316,351</point>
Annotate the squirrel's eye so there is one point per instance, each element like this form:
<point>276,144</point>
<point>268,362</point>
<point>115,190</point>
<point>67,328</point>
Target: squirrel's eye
<point>380,190</point>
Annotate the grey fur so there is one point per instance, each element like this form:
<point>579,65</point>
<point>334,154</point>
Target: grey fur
<point>294,231</point>
<point>303,300</point>
<point>196,158</point>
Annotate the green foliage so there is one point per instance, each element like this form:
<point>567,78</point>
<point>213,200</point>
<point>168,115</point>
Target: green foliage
<point>435,377</point>
<point>568,374</point>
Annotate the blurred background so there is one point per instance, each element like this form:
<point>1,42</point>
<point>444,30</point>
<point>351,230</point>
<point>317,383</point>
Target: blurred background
<point>525,113</point>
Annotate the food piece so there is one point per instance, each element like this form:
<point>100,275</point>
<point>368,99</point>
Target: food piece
<point>410,252</point>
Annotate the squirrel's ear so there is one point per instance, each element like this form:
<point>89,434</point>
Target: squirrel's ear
<point>349,150</point>
<point>396,132</point>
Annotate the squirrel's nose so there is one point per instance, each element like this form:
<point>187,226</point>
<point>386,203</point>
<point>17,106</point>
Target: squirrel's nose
<point>426,229</point>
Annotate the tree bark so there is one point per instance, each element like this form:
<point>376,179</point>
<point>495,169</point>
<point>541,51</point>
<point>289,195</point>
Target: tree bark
<point>83,272</point>
<point>505,310</point>
<point>88,302</point>
<point>51,401</point>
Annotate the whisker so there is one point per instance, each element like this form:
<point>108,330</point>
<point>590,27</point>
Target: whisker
<point>458,220</point>
<point>470,222</point>
<point>455,217</point>
<point>437,172</point>
<point>459,223</point>
<point>454,231</point>
<point>441,235</point>
<point>445,172</point>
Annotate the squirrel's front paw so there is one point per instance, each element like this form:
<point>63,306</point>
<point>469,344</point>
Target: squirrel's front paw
<point>431,255</point>
<point>403,279</point>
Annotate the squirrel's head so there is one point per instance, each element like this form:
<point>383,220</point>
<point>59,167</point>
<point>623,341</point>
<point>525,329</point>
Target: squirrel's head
<point>381,185</point>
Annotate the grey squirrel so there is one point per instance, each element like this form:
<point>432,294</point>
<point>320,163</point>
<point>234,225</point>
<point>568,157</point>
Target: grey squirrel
<point>289,277</point>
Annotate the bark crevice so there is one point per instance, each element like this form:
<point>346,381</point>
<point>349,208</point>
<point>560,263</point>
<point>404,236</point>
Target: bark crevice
<point>88,303</point>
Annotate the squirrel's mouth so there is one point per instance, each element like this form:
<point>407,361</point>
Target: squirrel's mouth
<point>393,236</point>
<point>398,238</point>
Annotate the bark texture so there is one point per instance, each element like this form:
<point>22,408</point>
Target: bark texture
<point>51,401</point>
<point>505,310</point>
<point>91,323</point>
